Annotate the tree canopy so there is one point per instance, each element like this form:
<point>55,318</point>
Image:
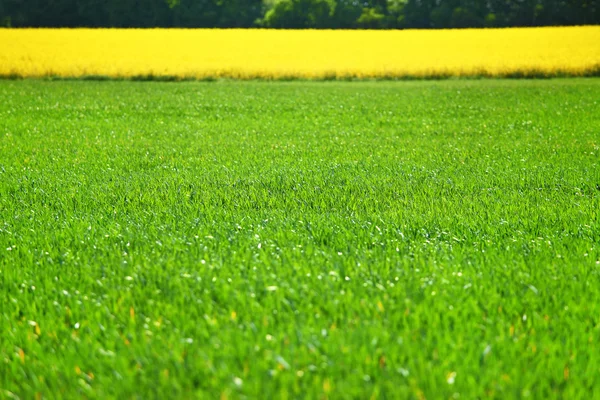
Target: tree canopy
<point>298,14</point>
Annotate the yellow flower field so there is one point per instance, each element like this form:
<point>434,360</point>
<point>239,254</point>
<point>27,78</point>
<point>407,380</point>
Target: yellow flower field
<point>277,54</point>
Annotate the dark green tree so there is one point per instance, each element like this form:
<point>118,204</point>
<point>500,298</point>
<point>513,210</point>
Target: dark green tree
<point>298,14</point>
<point>349,14</point>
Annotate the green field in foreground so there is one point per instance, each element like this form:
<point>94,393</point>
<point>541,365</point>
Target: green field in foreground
<point>273,240</point>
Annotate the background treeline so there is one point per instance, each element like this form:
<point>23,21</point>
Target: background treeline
<point>320,14</point>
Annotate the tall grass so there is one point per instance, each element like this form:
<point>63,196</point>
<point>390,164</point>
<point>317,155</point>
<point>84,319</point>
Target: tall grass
<point>256,240</point>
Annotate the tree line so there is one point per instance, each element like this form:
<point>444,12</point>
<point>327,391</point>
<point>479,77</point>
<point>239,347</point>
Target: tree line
<point>298,14</point>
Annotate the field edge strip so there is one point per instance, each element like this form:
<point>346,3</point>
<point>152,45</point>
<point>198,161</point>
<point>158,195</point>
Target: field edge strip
<point>514,74</point>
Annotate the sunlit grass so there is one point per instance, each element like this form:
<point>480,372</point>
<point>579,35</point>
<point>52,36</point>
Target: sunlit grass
<point>222,240</point>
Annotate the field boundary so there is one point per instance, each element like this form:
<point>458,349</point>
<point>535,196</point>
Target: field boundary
<point>516,74</point>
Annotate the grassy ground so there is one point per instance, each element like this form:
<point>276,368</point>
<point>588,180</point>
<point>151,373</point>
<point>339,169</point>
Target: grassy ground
<point>387,239</point>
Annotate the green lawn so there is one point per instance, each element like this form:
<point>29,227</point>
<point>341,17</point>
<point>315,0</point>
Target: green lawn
<point>283,240</point>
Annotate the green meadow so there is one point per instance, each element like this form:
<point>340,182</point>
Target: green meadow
<point>426,239</point>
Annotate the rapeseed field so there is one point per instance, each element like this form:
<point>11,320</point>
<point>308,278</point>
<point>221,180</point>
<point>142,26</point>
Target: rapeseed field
<point>290,54</point>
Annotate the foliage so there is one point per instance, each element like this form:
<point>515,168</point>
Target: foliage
<point>298,13</point>
<point>299,240</point>
<point>131,13</point>
<point>371,19</point>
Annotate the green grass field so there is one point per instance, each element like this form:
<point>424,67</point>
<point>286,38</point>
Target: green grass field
<point>302,239</point>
